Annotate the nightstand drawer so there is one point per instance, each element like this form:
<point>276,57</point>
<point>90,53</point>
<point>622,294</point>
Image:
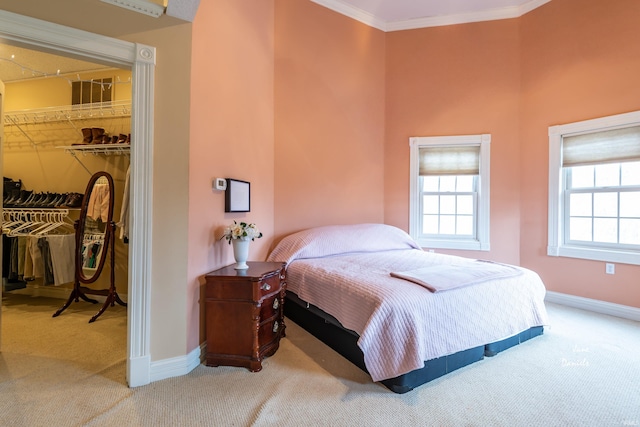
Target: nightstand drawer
<point>270,332</point>
<point>270,307</point>
<point>270,285</point>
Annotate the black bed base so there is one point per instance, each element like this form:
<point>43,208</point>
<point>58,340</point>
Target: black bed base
<point>343,341</point>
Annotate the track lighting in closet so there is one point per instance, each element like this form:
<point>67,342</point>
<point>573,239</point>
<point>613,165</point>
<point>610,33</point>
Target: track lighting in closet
<point>141,6</point>
<point>37,73</point>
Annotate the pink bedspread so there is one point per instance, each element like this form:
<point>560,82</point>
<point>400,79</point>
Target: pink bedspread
<point>402,324</point>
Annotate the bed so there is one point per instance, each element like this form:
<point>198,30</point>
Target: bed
<point>363,289</point>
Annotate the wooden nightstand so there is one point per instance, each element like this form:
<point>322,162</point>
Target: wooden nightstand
<point>244,314</point>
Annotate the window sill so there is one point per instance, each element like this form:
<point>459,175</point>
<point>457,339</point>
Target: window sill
<point>607,255</point>
<point>466,245</point>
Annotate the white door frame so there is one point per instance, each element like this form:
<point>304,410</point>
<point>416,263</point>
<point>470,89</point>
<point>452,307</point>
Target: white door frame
<point>53,38</point>
<point>1,173</point>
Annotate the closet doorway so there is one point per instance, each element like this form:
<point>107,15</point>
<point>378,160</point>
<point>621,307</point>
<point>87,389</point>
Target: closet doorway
<point>42,36</point>
<point>63,120</point>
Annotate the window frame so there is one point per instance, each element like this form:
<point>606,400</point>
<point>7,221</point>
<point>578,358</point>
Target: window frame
<point>482,221</point>
<point>557,242</point>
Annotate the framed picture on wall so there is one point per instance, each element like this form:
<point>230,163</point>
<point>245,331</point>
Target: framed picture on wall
<point>237,196</point>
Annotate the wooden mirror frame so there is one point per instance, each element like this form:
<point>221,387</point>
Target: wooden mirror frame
<point>107,251</point>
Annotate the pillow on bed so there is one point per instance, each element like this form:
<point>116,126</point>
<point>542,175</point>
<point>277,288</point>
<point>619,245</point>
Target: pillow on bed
<point>341,239</point>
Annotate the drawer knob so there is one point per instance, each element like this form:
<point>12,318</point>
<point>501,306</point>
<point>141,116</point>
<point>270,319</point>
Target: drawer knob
<point>265,287</point>
<point>276,325</point>
<point>276,304</point>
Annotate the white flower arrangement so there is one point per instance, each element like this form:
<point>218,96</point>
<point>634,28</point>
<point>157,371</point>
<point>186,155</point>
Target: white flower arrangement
<point>241,231</point>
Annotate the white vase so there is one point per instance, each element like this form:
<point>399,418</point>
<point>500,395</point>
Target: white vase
<point>241,253</point>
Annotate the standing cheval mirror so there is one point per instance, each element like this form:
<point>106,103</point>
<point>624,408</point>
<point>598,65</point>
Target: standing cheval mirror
<point>95,241</point>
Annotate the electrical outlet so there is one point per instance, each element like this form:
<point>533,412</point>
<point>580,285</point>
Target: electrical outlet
<point>610,268</point>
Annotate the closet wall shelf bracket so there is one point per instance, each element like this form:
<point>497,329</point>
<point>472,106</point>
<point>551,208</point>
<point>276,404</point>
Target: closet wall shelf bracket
<point>96,149</point>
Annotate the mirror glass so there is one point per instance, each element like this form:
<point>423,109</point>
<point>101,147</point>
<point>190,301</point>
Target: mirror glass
<point>95,227</point>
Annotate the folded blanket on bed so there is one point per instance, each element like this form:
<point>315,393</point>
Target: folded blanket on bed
<point>439,278</point>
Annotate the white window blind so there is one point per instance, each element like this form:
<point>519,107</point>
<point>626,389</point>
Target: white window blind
<point>608,146</point>
<point>450,160</point>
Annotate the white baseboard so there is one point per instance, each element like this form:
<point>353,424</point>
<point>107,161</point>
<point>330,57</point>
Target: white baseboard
<point>603,307</point>
<point>176,366</point>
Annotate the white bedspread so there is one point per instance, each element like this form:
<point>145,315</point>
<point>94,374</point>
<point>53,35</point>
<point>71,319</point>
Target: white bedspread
<point>402,324</point>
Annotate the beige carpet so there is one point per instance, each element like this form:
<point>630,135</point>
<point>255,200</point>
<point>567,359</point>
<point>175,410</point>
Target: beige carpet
<point>585,371</point>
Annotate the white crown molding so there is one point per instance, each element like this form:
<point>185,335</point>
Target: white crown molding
<point>183,9</point>
<point>597,306</point>
<point>353,13</point>
<point>435,21</point>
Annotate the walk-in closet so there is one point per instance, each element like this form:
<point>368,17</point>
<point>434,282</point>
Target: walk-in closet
<point>64,121</point>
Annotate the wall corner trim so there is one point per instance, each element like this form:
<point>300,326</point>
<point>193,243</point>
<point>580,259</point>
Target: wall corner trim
<point>177,366</point>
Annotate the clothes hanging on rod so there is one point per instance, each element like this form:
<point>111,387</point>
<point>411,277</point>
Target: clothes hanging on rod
<point>124,211</point>
<point>50,258</point>
<point>62,249</point>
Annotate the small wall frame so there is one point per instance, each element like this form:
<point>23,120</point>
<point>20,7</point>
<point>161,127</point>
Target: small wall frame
<point>237,196</point>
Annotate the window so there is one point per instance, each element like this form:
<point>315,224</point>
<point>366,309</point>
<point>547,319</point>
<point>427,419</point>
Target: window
<point>594,189</point>
<point>449,202</point>
<point>88,92</point>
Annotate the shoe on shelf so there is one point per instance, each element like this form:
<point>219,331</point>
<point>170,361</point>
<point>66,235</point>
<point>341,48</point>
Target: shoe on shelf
<point>87,135</point>
<point>96,134</point>
<point>73,200</point>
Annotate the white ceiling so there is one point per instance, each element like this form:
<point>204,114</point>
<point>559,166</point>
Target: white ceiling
<point>17,63</point>
<point>390,15</point>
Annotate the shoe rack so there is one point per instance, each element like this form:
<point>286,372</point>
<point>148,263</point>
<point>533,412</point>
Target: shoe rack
<point>61,128</point>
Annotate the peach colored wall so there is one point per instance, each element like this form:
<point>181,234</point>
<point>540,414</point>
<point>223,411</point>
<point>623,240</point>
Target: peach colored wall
<point>329,118</point>
<point>457,80</point>
<point>579,61</point>
<point>231,135</point>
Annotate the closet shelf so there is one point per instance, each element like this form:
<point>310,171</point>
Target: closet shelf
<point>95,149</point>
<point>68,113</point>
